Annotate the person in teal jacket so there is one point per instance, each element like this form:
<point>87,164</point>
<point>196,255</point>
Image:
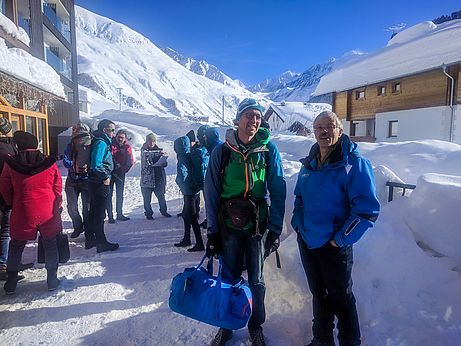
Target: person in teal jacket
<point>190,188</point>
<point>99,175</point>
<point>244,174</point>
<point>335,203</point>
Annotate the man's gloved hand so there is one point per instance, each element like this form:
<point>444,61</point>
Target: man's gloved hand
<point>213,245</point>
<point>272,243</point>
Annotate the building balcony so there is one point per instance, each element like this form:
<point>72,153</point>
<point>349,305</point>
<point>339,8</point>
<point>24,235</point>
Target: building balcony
<point>58,23</point>
<point>24,23</point>
<point>58,64</point>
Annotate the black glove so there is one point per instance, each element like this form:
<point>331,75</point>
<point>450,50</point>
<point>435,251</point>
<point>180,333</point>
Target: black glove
<point>213,245</point>
<point>272,243</point>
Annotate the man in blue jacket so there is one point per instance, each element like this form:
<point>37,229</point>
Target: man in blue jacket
<point>335,204</point>
<point>99,185</point>
<point>243,175</point>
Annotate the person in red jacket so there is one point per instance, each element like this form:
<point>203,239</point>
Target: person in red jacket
<point>122,154</point>
<point>31,184</point>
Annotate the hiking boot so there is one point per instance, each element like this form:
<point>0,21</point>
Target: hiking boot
<point>315,342</point>
<point>204,224</point>
<point>196,248</point>
<point>166,214</point>
<point>111,221</point>
<point>122,218</point>
<point>89,244</point>
<point>149,217</point>
<point>106,246</point>
<point>52,279</point>
<point>76,233</point>
<point>183,243</point>
<point>24,266</point>
<point>179,215</point>
<point>257,337</point>
<point>11,282</point>
<point>223,336</point>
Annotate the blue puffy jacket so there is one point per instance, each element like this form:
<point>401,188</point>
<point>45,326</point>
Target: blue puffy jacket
<point>212,136</point>
<point>337,200</point>
<point>102,165</point>
<point>184,177</point>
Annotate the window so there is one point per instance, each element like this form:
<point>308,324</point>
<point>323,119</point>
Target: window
<point>354,128</point>
<point>382,90</point>
<point>393,128</point>
<point>396,88</point>
<point>2,6</point>
<point>359,94</point>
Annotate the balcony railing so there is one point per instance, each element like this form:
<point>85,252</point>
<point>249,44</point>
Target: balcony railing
<point>24,23</point>
<point>58,64</point>
<point>58,23</point>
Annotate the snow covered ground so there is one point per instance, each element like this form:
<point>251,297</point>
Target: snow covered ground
<point>406,275</point>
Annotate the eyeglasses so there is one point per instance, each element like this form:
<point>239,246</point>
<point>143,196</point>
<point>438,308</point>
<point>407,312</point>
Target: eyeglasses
<point>110,129</point>
<point>251,116</point>
<point>325,128</point>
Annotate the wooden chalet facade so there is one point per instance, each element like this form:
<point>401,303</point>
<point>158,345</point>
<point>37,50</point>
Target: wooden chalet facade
<point>50,25</point>
<point>404,91</point>
<point>359,106</point>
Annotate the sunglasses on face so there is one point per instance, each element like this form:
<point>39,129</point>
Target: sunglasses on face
<point>108,129</point>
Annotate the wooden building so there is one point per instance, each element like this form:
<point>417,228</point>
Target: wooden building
<point>406,91</point>
<point>50,27</point>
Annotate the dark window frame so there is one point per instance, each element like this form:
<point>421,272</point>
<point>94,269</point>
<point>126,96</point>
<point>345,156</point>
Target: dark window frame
<point>381,90</point>
<point>396,88</point>
<point>391,129</point>
<point>360,94</point>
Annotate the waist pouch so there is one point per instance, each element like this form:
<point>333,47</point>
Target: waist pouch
<point>241,212</point>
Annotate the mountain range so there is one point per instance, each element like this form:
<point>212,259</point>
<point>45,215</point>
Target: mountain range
<point>115,60</point>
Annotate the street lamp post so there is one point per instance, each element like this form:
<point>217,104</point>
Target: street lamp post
<point>119,98</point>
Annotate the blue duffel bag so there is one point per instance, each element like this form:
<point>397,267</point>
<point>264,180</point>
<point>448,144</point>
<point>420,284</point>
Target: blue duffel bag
<point>197,294</point>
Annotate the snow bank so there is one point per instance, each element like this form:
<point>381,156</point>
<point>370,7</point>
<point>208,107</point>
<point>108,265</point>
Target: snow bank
<point>10,28</point>
<point>24,66</point>
<point>432,212</point>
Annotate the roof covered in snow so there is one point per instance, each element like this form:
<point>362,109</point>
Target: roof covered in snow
<point>11,29</point>
<point>423,47</point>
<point>20,64</point>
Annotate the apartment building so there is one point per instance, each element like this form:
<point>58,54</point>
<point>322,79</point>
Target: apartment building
<point>45,29</point>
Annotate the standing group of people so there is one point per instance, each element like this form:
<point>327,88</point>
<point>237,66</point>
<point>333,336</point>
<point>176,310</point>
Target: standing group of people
<point>244,189</point>
<point>335,203</point>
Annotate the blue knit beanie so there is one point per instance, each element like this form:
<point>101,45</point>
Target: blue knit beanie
<point>248,103</point>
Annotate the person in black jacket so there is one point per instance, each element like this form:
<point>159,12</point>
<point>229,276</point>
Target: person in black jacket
<point>7,147</point>
<point>153,176</point>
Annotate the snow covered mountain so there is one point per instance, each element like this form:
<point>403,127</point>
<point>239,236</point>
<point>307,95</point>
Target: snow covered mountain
<point>291,86</point>
<point>273,84</point>
<point>202,68</point>
<point>111,56</point>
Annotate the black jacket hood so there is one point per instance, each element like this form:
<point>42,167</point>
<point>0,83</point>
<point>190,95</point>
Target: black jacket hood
<point>30,162</point>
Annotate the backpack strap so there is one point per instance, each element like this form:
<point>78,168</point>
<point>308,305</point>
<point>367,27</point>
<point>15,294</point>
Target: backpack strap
<point>225,158</point>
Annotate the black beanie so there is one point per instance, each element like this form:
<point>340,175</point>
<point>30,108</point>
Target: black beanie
<point>25,140</point>
<point>191,135</point>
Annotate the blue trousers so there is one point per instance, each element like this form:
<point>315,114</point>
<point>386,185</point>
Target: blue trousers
<point>328,270</point>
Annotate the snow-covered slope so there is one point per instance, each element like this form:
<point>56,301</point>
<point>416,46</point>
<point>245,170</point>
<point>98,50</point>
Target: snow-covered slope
<point>202,68</point>
<point>291,86</point>
<point>112,56</point>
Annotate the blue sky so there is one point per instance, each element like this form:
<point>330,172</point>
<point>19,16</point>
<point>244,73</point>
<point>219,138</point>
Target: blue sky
<point>253,40</point>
